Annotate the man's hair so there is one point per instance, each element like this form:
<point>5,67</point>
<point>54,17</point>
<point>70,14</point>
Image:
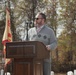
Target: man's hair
<point>43,16</point>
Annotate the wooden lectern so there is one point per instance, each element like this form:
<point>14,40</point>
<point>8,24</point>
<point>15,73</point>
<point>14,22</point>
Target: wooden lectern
<point>27,57</point>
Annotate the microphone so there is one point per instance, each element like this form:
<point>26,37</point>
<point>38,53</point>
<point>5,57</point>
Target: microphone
<point>28,22</point>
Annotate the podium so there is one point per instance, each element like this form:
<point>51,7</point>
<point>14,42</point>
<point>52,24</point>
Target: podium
<point>27,57</point>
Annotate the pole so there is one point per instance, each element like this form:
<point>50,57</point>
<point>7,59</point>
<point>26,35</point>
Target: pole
<point>27,31</point>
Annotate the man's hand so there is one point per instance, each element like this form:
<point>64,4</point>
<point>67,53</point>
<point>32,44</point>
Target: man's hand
<point>48,47</point>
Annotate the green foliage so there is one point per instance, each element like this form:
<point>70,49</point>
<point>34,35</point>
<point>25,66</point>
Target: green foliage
<point>59,13</point>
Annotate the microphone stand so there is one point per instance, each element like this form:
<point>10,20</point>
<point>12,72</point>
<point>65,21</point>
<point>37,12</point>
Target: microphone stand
<point>27,24</point>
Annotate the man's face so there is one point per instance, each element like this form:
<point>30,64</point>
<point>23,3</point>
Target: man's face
<point>38,20</point>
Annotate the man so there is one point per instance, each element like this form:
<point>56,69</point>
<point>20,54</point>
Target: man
<point>41,32</point>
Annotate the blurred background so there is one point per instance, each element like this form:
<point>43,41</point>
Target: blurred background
<point>61,16</point>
